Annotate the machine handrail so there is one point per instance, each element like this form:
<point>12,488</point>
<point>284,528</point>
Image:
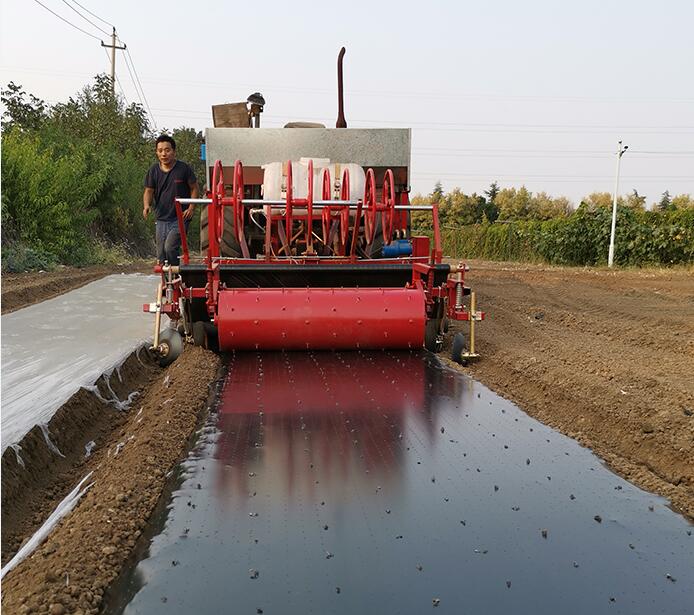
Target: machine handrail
<point>319,204</point>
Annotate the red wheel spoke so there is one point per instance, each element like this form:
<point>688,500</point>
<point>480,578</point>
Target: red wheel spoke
<point>326,184</point>
<point>288,212</point>
<point>214,229</point>
<point>371,207</point>
<point>344,213</point>
<point>388,209</point>
<point>237,201</point>
<point>309,209</point>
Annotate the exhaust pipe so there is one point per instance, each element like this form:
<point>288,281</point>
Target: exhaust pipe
<point>341,122</point>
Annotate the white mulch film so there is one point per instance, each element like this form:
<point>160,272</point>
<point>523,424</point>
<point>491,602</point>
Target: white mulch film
<point>51,349</point>
<point>61,510</point>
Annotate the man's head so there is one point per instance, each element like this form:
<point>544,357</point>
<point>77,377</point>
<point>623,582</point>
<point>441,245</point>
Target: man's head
<point>166,149</point>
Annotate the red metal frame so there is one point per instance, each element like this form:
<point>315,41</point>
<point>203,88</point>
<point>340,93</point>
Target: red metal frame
<point>339,317</point>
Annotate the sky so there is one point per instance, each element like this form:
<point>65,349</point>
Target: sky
<point>534,93</point>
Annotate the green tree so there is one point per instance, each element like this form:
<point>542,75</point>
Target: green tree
<point>545,207</point>
<point>461,209</point>
<point>421,220</point>
<point>22,110</point>
<point>514,204</point>
<point>682,201</point>
<point>636,201</point>
<point>599,200</point>
<point>72,175</point>
<point>492,192</point>
<point>491,211</point>
<point>665,203</point>
<point>437,194</point>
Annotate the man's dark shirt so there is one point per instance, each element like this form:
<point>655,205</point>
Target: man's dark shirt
<point>169,185</point>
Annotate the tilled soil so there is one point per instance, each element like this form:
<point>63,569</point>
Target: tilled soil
<point>71,570</point>
<point>606,357</point>
<point>36,478</point>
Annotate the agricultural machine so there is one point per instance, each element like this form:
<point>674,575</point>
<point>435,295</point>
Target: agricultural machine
<point>312,253</point>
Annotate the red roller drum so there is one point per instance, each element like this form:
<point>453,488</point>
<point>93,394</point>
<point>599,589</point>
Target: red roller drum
<point>320,318</point>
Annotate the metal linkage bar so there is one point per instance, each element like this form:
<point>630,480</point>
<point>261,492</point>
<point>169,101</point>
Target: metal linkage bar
<point>316,204</point>
<point>316,258</point>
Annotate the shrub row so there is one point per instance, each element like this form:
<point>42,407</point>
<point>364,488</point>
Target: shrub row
<point>642,238</point>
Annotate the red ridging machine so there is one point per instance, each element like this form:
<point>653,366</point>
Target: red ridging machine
<point>313,253</point>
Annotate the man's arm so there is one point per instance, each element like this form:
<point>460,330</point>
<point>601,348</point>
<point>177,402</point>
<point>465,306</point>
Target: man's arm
<point>194,194</point>
<point>147,198</point>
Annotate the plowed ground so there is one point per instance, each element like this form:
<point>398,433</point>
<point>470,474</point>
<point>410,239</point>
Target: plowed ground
<point>606,357</point>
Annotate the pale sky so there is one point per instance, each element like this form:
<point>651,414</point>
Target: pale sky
<point>534,92</point>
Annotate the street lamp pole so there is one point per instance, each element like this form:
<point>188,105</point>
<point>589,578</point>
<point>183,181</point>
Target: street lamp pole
<point>620,153</point>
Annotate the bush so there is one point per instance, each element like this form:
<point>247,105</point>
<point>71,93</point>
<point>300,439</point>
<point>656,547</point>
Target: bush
<point>72,177</point>
<point>17,258</point>
<point>642,238</point>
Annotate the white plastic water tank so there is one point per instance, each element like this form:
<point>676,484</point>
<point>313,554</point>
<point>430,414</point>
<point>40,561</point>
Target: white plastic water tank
<point>273,182</point>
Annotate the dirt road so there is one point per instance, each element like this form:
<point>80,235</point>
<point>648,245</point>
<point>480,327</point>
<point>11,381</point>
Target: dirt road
<point>606,357</point>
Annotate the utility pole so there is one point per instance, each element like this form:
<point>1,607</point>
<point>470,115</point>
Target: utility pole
<point>620,153</point>
<point>113,48</point>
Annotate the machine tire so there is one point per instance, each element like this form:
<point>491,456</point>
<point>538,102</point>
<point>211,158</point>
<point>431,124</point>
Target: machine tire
<point>458,348</point>
<point>212,336</point>
<point>229,246</point>
<point>431,335</point>
<point>200,334</point>
<point>172,341</point>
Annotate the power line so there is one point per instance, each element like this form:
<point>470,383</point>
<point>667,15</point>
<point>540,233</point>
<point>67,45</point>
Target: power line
<point>445,154</point>
<point>553,151</point>
<point>127,51</point>
<point>137,91</point>
<point>436,96</point>
<point>66,21</point>
<point>488,127</point>
<point>684,153</point>
<point>542,176</point>
<point>93,15</point>
<point>549,180</point>
<point>555,154</point>
<point>72,8</point>
<point>127,65</point>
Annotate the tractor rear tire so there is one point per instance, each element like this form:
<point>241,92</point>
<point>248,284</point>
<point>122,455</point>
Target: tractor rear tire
<point>432,339</point>
<point>229,245</point>
<point>200,334</point>
<point>458,348</point>
<point>378,243</point>
<point>212,336</point>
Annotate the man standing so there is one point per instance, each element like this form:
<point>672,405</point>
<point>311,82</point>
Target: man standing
<point>166,181</point>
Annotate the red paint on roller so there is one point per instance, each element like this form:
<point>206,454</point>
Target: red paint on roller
<point>320,318</point>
